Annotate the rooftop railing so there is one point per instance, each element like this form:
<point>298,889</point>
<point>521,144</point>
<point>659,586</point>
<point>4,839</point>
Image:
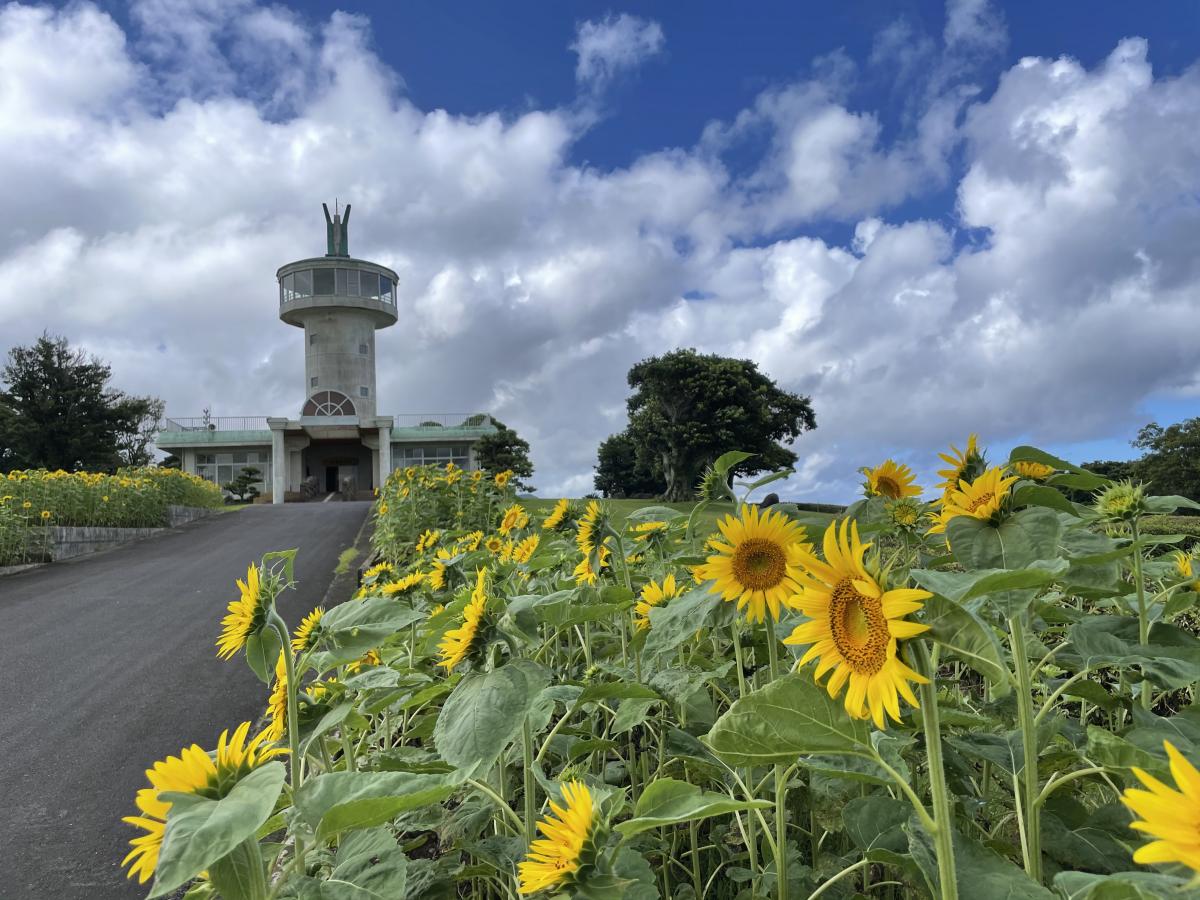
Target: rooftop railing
<point>259,423</point>
<point>222,423</point>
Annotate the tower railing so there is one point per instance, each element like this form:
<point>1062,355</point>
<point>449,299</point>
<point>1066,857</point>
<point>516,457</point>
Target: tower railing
<point>221,423</point>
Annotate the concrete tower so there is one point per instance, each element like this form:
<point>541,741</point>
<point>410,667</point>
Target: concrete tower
<point>339,302</point>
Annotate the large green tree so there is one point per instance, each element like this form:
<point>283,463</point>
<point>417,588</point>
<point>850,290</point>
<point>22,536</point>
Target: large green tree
<point>58,411</point>
<point>621,473</point>
<point>505,449</point>
<point>688,408</point>
<point>1171,464</point>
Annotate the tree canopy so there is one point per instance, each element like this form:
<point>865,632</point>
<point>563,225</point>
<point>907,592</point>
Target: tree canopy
<point>58,411</point>
<point>619,471</point>
<point>688,408</point>
<point>505,449</point>
<point>1170,463</point>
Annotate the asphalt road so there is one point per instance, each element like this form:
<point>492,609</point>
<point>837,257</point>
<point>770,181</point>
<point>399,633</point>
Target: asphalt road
<point>109,664</point>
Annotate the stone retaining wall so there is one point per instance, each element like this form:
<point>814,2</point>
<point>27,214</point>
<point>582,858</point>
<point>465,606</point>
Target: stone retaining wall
<point>68,541</point>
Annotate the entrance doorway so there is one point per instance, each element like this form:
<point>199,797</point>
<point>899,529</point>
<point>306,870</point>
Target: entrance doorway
<point>331,479</point>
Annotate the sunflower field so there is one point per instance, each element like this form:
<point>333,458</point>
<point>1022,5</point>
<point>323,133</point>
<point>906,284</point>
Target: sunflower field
<point>132,498</point>
<point>992,695</point>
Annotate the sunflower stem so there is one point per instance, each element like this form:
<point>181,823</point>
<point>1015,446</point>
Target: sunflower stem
<point>772,646</point>
<point>943,833</point>
<point>781,874</point>
<point>295,762</point>
<point>1029,777</point>
<point>530,808</point>
<point>1143,611</point>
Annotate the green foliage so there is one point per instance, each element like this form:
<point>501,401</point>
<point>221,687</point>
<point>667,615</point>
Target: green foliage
<point>505,450</point>
<point>688,408</point>
<point>245,486</point>
<point>621,472</point>
<point>58,411</point>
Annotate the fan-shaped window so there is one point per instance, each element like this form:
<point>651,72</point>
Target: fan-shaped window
<point>328,403</point>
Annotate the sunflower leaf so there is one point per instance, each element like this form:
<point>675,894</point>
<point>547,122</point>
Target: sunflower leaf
<point>201,831</point>
<point>667,801</point>
<point>786,719</point>
<point>485,712</point>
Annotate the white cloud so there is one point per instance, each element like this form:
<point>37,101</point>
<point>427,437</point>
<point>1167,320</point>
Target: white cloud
<point>614,45</point>
<point>146,215</point>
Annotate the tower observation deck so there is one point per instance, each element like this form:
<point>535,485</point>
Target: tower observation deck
<point>340,302</point>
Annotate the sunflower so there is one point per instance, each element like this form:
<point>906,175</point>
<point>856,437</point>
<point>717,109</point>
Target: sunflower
<point>1171,816</point>
<point>644,531</point>
<point>278,703</point>
<point>557,514</point>
<point>584,573</point>
<point>458,641</point>
<point>654,594</point>
<point>554,859</point>
<point>1184,569</point>
<point>308,631</point>
<point>855,625</point>
<point>399,586</point>
<point>366,661</point>
<point>428,538</point>
<point>525,549</point>
<point>471,541</point>
<point>194,771</point>
<point>980,499</point>
<point>892,480</point>
<point>589,526</point>
<point>514,517</point>
<point>247,615</point>
<point>1034,471</point>
<point>905,514</point>
<point>494,545</point>
<point>502,479</point>
<point>383,568</point>
<point>757,562</point>
<point>964,464</point>
<point>437,575</point>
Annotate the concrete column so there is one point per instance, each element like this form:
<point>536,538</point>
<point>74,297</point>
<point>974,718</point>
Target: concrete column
<point>385,450</point>
<point>187,460</point>
<point>278,460</point>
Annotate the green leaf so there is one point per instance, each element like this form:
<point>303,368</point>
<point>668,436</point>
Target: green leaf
<point>982,873</point>
<point>616,691</point>
<point>726,461</point>
<point>359,626</point>
<point>786,719</point>
<point>667,801</point>
<point>342,801</point>
<point>1021,540</point>
<point>1124,886</point>
<point>630,714</point>
<point>655,514</point>
<point>262,653</point>
<point>679,620</point>
<point>484,713</point>
<point>969,638</point>
<point>368,866</point>
<point>876,822</point>
<point>1044,496</point>
<point>201,831</point>
<point>1168,505</point>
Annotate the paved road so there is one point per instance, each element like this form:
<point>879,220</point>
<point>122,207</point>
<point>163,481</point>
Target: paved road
<point>109,665</point>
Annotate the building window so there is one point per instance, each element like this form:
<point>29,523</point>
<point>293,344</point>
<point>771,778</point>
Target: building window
<point>312,382</point>
<point>328,403</point>
<point>339,282</point>
<point>363,349</point>
<point>312,339</point>
<point>222,468</point>
<point>405,455</point>
<point>303,283</point>
<point>364,392</point>
<point>368,285</point>
<point>323,282</point>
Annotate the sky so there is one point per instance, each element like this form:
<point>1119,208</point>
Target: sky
<point>931,219</point>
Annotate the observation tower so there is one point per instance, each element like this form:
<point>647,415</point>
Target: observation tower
<point>340,302</point>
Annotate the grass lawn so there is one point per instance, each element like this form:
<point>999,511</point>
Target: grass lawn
<point>705,523</point>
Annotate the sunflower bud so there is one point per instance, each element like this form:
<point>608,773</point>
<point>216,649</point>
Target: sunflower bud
<point>1123,501</point>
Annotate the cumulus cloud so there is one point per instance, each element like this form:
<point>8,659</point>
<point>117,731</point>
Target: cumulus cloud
<point>146,215</point>
<point>614,45</point>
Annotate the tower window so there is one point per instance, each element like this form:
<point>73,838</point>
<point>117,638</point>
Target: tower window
<point>312,382</point>
<point>312,339</point>
<point>323,281</point>
<point>364,392</point>
<point>363,349</point>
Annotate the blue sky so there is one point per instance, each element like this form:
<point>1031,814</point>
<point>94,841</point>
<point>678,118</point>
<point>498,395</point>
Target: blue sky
<point>934,218</point>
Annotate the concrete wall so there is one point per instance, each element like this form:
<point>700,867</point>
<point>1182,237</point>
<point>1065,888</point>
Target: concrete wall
<point>68,541</point>
<point>343,454</point>
<point>332,342</point>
